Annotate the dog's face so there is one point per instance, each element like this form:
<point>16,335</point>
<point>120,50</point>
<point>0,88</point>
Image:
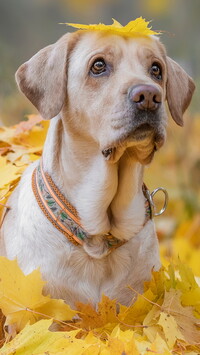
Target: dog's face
<point>111,89</point>
<point>117,89</point>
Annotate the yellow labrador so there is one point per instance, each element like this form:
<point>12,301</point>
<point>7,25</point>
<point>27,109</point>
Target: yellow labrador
<point>105,96</point>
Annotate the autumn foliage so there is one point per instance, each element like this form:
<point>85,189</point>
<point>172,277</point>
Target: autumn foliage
<point>165,319</point>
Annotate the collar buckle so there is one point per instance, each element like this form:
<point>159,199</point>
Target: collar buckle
<point>150,196</point>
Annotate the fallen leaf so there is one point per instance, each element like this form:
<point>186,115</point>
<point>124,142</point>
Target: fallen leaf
<point>37,339</point>
<point>90,318</point>
<point>186,322</point>
<point>24,302</point>
<point>170,328</point>
<point>9,172</point>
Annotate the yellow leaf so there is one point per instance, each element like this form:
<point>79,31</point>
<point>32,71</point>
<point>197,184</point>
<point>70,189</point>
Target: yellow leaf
<point>151,328</point>
<point>21,298</point>
<point>95,319</point>
<point>138,27</point>
<point>37,339</point>
<point>170,328</point>
<point>107,310</point>
<point>187,282</point>
<point>90,319</point>
<point>136,313</point>
<point>122,342</point>
<point>4,194</point>
<point>187,323</point>
<point>159,346</point>
<point>33,138</point>
<point>9,172</point>
<point>191,298</point>
<point>6,134</point>
<point>157,282</point>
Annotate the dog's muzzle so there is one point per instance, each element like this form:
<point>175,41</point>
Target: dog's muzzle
<point>146,104</point>
<point>145,112</point>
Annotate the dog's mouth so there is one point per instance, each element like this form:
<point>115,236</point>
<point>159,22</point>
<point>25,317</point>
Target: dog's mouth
<point>141,132</point>
<point>140,144</point>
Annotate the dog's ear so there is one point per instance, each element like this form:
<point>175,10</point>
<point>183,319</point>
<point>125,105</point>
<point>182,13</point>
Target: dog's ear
<point>180,88</point>
<point>43,79</point>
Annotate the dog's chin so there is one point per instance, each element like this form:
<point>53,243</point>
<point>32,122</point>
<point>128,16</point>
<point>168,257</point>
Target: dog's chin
<point>138,146</point>
<point>146,147</point>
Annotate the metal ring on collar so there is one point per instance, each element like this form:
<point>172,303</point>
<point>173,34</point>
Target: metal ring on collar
<point>152,194</point>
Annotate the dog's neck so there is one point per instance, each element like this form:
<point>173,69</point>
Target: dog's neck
<point>108,197</point>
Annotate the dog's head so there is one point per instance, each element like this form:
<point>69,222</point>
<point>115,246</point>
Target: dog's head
<point>110,89</point>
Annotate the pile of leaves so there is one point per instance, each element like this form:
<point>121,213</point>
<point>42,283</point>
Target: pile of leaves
<point>165,319</point>
<point>20,145</point>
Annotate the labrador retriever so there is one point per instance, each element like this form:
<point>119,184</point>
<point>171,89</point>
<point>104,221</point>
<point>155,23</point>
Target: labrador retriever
<point>82,214</point>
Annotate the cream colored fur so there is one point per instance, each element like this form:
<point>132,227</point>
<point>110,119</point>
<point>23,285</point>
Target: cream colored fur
<point>92,114</point>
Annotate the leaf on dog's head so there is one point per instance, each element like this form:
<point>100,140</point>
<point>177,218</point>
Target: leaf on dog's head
<point>138,27</point>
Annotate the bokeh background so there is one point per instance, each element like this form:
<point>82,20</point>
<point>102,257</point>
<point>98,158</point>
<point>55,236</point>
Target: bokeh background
<point>28,25</point>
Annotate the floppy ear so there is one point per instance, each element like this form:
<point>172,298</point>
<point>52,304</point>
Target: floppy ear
<point>180,88</point>
<point>43,79</point>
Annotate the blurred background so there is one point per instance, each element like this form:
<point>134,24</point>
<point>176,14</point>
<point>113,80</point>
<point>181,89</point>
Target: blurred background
<point>26,26</point>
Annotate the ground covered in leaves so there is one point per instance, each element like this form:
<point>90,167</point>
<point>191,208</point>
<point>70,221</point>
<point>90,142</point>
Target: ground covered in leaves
<point>165,319</point>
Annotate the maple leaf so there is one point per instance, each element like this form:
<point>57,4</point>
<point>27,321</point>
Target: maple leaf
<point>37,339</point>
<point>24,302</point>
<point>9,172</point>
<point>138,27</point>
<point>170,328</point>
<point>136,313</point>
<point>90,318</point>
<point>19,146</point>
<point>151,328</point>
<point>187,323</point>
<point>122,342</point>
<point>34,138</point>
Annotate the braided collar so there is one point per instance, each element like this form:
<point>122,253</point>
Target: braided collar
<point>64,216</point>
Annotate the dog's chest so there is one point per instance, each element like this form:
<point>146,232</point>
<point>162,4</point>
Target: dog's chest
<point>87,278</point>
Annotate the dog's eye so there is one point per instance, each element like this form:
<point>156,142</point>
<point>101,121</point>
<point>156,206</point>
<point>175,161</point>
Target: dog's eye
<point>156,71</point>
<point>98,67</point>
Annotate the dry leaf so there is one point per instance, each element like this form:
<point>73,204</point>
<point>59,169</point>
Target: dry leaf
<point>187,323</point>
<point>170,328</point>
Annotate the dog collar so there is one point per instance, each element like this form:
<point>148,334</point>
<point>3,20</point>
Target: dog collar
<point>64,216</point>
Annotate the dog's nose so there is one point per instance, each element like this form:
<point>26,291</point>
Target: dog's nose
<point>146,97</point>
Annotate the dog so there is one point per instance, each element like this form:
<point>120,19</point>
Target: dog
<point>105,95</point>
